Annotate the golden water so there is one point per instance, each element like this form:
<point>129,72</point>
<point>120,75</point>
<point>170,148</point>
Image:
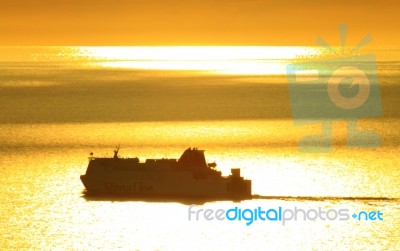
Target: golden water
<point>54,113</point>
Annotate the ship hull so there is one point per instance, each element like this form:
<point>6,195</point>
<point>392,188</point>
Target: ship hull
<point>163,184</point>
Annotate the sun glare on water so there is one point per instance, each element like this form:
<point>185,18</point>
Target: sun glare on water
<point>243,60</point>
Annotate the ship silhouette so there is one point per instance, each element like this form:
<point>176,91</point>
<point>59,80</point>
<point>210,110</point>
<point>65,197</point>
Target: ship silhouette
<point>190,176</point>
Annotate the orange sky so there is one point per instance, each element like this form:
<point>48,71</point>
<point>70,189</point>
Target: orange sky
<point>201,22</point>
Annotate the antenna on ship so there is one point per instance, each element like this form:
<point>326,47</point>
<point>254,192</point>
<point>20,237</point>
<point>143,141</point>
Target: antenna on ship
<point>116,152</point>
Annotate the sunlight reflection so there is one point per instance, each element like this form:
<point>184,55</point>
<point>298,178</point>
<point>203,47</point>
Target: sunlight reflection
<point>244,60</point>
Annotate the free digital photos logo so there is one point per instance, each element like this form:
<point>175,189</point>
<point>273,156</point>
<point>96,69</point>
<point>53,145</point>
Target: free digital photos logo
<point>280,214</point>
<point>340,88</point>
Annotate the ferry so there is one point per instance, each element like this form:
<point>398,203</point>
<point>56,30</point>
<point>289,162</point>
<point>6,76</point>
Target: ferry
<point>190,176</point>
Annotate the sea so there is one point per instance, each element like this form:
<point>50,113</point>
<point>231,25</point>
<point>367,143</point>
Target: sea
<point>59,104</point>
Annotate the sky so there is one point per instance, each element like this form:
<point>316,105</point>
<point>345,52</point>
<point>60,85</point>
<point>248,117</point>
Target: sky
<point>196,22</point>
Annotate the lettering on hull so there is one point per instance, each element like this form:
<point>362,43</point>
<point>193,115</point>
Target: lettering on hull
<point>134,188</point>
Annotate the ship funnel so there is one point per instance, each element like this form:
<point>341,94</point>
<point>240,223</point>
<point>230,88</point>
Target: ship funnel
<point>192,158</point>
